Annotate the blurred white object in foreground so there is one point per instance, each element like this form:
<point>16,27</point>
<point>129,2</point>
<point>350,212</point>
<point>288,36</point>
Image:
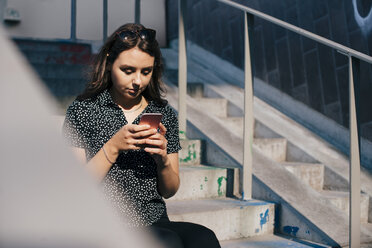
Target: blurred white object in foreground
<point>47,199</point>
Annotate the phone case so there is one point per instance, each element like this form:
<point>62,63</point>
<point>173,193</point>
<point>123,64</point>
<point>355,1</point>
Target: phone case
<point>152,119</point>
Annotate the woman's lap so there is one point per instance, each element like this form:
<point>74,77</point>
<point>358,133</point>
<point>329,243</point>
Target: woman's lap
<point>191,235</point>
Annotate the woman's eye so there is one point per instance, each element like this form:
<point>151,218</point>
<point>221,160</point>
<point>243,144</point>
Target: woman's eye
<point>127,71</point>
<point>146,72</point>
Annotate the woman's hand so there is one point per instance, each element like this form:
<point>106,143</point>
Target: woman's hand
<point>130,137</point>
<point>168,170</point>
<point>156,145</point>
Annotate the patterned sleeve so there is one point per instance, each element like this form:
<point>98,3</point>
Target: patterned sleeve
<point>72,129</point>
<point>170,122</point>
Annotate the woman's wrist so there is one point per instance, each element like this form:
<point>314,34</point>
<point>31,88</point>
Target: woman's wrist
<point>110,151</point>
<point>162,162</point>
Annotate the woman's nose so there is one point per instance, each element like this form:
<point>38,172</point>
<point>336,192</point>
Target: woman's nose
<point>137,79</point>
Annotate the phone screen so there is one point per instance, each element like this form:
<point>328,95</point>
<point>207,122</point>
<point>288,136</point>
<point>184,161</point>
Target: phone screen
<point>152,119</point>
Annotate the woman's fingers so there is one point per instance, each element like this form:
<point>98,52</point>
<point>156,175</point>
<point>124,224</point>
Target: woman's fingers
<point>139,142</point>
<point>134,137</point>
<point>153,150</point>
<point>137,128</point>
<point>162,144</point>
<point>145,133</point>
<point>162,128</point>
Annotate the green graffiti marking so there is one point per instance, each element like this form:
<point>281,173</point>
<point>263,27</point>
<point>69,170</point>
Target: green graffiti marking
<point>191,154</point>
<point>182,135</point>
<point>205,179</point>
<point>201,186</point>
<point>194,151</point>
<point>219,181</point>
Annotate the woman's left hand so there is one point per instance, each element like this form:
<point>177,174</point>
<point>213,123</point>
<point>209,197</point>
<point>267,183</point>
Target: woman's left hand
<point>156,145</point>
<point>167,164</point>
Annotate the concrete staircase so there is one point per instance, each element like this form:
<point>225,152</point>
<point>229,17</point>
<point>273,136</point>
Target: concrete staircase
<point>61,65</point>
<point>298,161</point>
<point>202,199</point>
<point>300,164</point>
<point>202,195</point>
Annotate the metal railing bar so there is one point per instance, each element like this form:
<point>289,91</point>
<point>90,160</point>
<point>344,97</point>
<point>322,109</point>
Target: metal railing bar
<point>105,14</point>
<point>73,20</point>
<point>137,11</point>
<point>248,109</point>
<point>182,69</point>
<point>354,210</point>
<point>341,48</point>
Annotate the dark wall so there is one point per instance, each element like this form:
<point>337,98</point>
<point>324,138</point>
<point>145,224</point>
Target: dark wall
<point>310,72</point>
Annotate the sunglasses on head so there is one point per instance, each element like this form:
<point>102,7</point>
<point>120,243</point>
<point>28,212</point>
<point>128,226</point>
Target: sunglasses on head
<point>144,34</point>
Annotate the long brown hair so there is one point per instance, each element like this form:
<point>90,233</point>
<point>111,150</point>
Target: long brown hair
<point>100,76</point>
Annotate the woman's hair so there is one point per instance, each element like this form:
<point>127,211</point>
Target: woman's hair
<point>100,75</point>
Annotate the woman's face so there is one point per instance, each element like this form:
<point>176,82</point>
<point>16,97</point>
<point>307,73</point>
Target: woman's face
<point>131,73</point>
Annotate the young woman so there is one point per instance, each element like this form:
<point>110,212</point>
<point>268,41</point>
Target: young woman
<point>137,165</point>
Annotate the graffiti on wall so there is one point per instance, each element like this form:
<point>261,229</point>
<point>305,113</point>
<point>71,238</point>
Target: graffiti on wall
<point>364,20</point>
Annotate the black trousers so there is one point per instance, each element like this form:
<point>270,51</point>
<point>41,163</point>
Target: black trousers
<point>183,234</point>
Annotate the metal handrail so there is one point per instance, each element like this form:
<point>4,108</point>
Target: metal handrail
<point>354,66</point>
<point>354,217</point>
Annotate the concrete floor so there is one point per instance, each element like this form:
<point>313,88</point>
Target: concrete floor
<point>268,241</point>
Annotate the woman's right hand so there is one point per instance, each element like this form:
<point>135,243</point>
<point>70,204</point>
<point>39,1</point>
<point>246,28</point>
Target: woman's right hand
<point>130,137</point>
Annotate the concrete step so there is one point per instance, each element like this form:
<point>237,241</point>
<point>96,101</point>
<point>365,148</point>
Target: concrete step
<point>234,123</point>
<point>365,245</point>
<point>199,182</point>
<point>368,228</point>
<point>260,130</point>
<point>228,218</point>
<point>58,57</point>
<point>310,173</point>
<point>52,46</point>
<point>276,148</point>
<point>340,199</point>
<point>195,90</point>
<point>269,241</point>
<point>215,106</point>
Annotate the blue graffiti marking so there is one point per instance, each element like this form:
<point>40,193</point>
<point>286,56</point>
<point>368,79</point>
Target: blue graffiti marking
<point>256,203</point>
<point>257,230</point>
<point>264,218</point>
<point>291,230</point>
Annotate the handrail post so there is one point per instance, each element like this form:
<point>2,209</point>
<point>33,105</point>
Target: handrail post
<point>182,68</point>
<point>248,108</point>
<point>354,217</point>
<point>105,16</point>
<point>73,20</point>
<point>137,12</point>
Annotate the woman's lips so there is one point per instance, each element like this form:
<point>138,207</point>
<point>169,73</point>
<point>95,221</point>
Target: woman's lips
<point>133,91</point>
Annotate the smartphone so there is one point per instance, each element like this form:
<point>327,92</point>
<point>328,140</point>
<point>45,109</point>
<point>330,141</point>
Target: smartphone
<point>152,119</point>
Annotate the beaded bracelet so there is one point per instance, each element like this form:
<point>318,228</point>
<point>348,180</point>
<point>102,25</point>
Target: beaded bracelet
<point>104,151</point>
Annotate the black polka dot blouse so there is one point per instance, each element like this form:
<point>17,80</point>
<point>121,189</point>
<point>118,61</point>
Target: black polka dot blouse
<point>131,183</point>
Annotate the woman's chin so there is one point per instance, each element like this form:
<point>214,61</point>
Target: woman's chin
<point>133,95</point>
